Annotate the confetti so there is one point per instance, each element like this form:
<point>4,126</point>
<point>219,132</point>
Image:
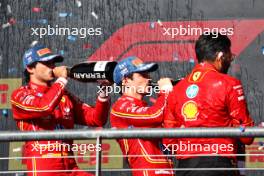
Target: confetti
<point>4,112</point>
<point>262,50</point>
<point>5,25</point>
<point>78,3</point>
<point>9,11</point>
<point>12,21</point>
<point>17,149</point>
<point>36,9</point>
<point>261,145</point>
<point>43,21</point>
<point>87,46</point>
<point>242,128</point>
<point>94,15</point>
<point>152,25</point>
<point>160,23</point>
<point>152,100</point>
<point>261,124</point>
<point>12,70</point>
<point>175,56</point>
<point>192,61</point>
<point>61,52</point>
<point>111,58</point>
<point>71,38</point>
<point>33,43</point>
<point>64,14</point>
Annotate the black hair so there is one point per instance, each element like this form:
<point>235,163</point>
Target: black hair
<point>208,45</point>
<point>26,77</point>
<point>130,76</point>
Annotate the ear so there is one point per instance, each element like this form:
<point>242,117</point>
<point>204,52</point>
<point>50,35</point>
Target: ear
<point>219,56</point>
<point>125,81</point>
<point>30,70</point>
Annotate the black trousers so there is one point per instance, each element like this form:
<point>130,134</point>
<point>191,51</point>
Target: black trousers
<point>206,162</point>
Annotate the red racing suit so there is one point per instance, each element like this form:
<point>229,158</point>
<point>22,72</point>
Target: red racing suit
<point>206,98</point>
<point>129,112</point>
<point>37,108</point>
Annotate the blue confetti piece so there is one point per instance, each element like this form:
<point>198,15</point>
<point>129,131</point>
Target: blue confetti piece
<point>27,21</point>
<point>192,60</point>
<point>262,49</point>
<point>64,14</point>
<point>71,38</point>
<point>242,128</point>
<point>61,52</point>
<point>43,21</point>
<point>261,143</point>
<point>12,70</point>
<point>5,112</point>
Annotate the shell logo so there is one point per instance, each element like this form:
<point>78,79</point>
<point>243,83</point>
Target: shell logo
<point>190,111</point>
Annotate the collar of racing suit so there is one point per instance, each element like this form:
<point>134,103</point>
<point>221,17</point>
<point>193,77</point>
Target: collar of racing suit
<point>39,88</point>
<point>205,66</point>
<point>135,100</point>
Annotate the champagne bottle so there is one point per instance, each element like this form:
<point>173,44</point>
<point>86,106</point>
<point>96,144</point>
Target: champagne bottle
<point>92,71</point>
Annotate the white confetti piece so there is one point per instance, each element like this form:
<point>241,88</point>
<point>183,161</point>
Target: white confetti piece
<point>260,147</point>
<point>94,15</point>
<point>1,59</point>
<point>6,25</point>
<point>160,23</point>
<point>33,43</point>
<point>9,11</point>
<point>78,3</point>
<point>17,149</point>
<point>152,25</point>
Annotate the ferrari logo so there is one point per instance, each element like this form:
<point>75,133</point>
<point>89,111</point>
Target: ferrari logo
<point>196,76</point>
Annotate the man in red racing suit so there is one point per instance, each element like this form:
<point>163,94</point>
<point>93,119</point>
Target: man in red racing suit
<point>207,98</point>
<point>130,111</point>
<point>38,107</point>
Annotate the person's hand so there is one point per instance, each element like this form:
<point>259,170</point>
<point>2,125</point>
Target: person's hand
<point>165,85</point>
<point>60,71</point>
<point>104,84</point>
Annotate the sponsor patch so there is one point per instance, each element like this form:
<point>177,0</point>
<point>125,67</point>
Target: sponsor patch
<point>192,91</point>
<point>190,111</point>
<point>196,76</point>
<point>43,51</point>
<point>137,62</point>
<point>63,100</point>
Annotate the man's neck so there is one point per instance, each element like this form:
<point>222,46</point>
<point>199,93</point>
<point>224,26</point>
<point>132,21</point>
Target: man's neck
<point>38,82</point>
<point>133,93</point>
<point>214,64</point>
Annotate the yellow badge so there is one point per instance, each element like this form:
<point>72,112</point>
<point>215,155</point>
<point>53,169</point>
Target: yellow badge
<point>196,76</point>
<point>63,99</point>
<point>190,111</point>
